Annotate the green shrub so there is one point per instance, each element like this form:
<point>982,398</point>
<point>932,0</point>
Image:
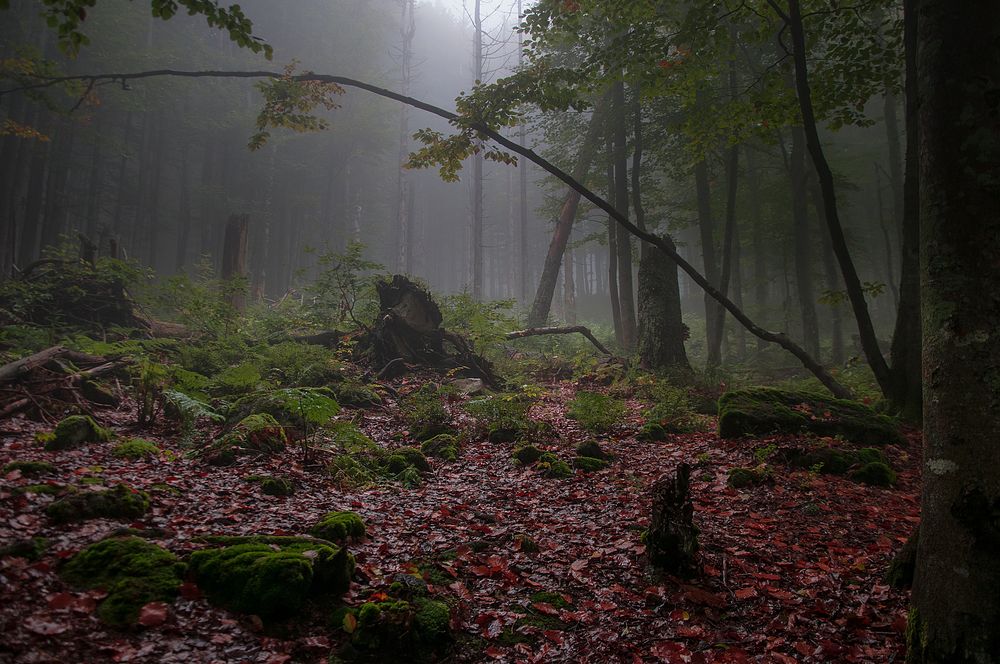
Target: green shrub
<point>596,412</point>
<point>294,364</point>
<point>131,570</point>
<point>136,448</point>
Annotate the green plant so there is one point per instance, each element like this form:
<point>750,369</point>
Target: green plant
<point>424,413</point>
<point>484,324</point>
<point>505,416</point>
<point>596,412</point>
<point>344,288</point>
<point>762,454</point>
<point>188,410</point>
<point>149,379</point>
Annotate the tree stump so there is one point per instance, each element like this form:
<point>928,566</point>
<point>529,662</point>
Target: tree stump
<point>672,540</point>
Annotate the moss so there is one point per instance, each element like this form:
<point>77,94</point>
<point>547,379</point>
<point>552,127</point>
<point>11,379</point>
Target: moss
<point>350,472</point>
<point>121,502</point>
<point>740,478</point>
<point>592,449</point>
<point>432,620</point>
<point>271,576</point>
<point>348,437</point>
<point>652,431</point>
<point>525,544</point>
<point>273,486</point>
<point>414,457</point>
<point>396,463</point>
<point>556,470</point>
<point>589,464</point>
<point>339,527</point>
<point>410,478</point>
<point>136,448</point>
<point>527,454</point>
<point>870,455</point>
<point>290,407</point>
<point>352,393</point>
<point>443,446</point>
<point>424,413</point>
<point>76,430</point>
<point>875,474</point>
<point>133,571</point>
<point>399,631</point>
<point>95,392</point>
<point>765,410</point>
<point>46,489</point>
<point>258,434</point>
<point>29,467</point>
<point>30,548</point>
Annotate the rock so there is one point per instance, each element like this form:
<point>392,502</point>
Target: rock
<point>468,386</point>
<point>121,502</point>
<point>740,478</point>
<point>398,630</point>
<point>131,570</point>
<point>592,449</point>
<point>273,486</point>
<point>27,468</point>
<point>652,431</point>
<point>764,410</point>
<point>527,454</point>
<point>339,527</point>
<point>76,430</point>
<point>443,446</point>
<point>258,435</point>
<point>271,576</point>
<point>136,448</point>
<point>589,464</point>
<point>94,392</point>
<point>875,473</point>
<point>349,392</point>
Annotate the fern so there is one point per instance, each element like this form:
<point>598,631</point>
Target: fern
<point>314,406</point>
<point>189,410</point>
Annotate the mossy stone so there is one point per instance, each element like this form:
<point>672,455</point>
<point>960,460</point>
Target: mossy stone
<point>31,548</point>
<point>592,449</point>
<point>527,454</point>
<point>414,457</point>
<point>352,393</point>
<point>443,446</point>
<point>652,431</point>
<point>339,527</point>
<point>285,406</point>
<point>133,571</point>
<point>29,467</point>
<point>766,410</point>
<point>46,489</point>
<point>396,463</point>
<point>556,470</point>
<point>258,434</point>
<point>271,576</point>
<point>121,502</point>
<point>95,392</point>
<point>410,478</point>
<point>874,474</point>
<point>135,449</point>
<point>273,486</point>
<point>400,631</point>
<point>740,478</point>
<point>76,430</point>
<point>589,464</point>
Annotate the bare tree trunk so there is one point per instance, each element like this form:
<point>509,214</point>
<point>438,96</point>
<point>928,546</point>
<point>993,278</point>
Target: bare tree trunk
<point>624,239</point>
<point>711,267</point>
<point>616,312</point>
<point>477,167</point>
<point>759,257</point>
<point>234,257</point>
<point>404,205</point>
<point>956,607</point>
<point>802,234</point>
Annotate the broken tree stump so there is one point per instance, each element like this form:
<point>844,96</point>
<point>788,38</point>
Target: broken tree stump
<point>672,539</point>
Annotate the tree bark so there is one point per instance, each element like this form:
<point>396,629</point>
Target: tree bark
<point>626,293</point>
<point>956,606</point>
<point>710,266</point>
<point>234,258</point>
<point>801,233</point>
<point>662,329</point>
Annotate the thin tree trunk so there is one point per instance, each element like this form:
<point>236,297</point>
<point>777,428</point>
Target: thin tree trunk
<point>624,240</point>
<point>759,256</point>
<point>802,234</point>
<point>616,312</point>
<point>234,258</point>
<point>706,228</point>
<point>477,166</point>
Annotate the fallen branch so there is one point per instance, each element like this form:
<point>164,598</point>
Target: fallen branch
<point>573,329</point>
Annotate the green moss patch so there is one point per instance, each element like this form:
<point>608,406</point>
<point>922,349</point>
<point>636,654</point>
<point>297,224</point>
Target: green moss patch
<point>592,449</point>
<point>135,449</point>
<point>339,527</point>
<point>121,502</point>
<point>398,630</point>
<point>527,454</point>
<point>349,438</point>
<point>414,457</point>
<point>273,486</point>
<point>867,465</point>
<point>258,434</point>
<point>31,548</point>
<point>271,576</point>
<point>740,478</point>
<point>293,407</point>
<point>553,467</point>
<point>29,468</point>
<point>652,431</point>
<point>47,489</point>
<point>443,446</point>
<point>76,430</point>
<point>765,410</point>
<point>133,571</point>
<point>875,474</point>
<point>353,393</point>
<point>589,464</point>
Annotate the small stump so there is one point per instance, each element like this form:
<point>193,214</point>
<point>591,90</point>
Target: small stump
<point>672,539</point>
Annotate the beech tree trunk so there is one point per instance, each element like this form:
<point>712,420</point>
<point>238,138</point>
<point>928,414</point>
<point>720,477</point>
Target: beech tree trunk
<point>801,232</point>
<point>624,240</point>
<point>956,604</point>
<point>661,329</point>
<point>234,257</point>
<point>706,228</point>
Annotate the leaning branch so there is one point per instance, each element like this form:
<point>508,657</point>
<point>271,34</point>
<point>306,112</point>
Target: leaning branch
<point>539,331</point>
<point>781,339</point>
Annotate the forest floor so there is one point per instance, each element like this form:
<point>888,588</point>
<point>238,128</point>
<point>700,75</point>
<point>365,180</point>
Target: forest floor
<point>791,571</point>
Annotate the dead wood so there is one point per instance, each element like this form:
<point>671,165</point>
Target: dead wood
<point>672,540</point>
<point>572,329</point>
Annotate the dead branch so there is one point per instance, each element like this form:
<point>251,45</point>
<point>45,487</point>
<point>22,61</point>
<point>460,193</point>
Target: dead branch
<point>572,329</point>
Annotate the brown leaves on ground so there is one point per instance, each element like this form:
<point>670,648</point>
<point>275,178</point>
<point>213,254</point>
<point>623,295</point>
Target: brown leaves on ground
<point>791,572</point>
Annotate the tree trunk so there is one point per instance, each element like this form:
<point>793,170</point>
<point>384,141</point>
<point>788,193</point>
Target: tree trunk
<point>404,214</point>
<point>759,255</point>
<point>616,312</point>
<point>855,293</point>
<point>662,330</point>
<point>728,238</point>
<point>956,606</point>
<point>906,395</point>
<point>567,215</point>
<point>234,258</point>
<point>477,167</point>
<point>802,234</point>
<point>624,239</point>
<point>706,228</point>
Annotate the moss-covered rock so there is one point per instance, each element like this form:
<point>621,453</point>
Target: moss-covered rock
<point>273,486</point>
<point>443,446</point>
<point>271,576</point>
<point>29,468</point>
<point>592,449</point>
<point>875,473</point>
<point>121,502</point>
<point>395,464</point>
<point>557,469</point>
<point>46,489</point>
<point>135,449</point>
<point>740,478</point>
<point>414,457</point>
<point>31,548</point>
<point>349,392</point>
<point>527,454</point>
<point>339,527</point>
<point>652,431</point>
<point>76,430</point>
<point>291,408</point>
<point>765,410</point>
<point>589,464</point>
<point>349,438</point>
<point>398,630</point>
<point>133,571</point>
<point>836,460</point>
<point>258,434</point>
<point>98,393</point>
